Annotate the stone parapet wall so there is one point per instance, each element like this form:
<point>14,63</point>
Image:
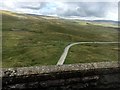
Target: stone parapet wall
<point>65,77</point>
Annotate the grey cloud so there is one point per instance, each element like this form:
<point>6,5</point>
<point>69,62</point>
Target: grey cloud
<point>119,11</point>
<point>33,5</point>
<point>67,9</point>
<point>80,9</point>
<point>85,9</point>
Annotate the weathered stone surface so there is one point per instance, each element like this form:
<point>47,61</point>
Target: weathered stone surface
<point>72,76</point>
<point>54,68</point>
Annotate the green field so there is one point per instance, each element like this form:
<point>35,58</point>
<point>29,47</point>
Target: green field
<point>92,53</point>
<point>30,40</point>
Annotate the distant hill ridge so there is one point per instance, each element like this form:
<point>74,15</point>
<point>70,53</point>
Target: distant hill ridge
<point>56,17</point>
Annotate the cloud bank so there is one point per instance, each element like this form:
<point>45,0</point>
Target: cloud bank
<point>79,10</point>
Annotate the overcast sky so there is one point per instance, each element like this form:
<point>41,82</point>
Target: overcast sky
<point>80,10</point>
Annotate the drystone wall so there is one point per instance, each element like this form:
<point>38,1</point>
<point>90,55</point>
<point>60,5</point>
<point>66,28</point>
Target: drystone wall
<point>65,77</point>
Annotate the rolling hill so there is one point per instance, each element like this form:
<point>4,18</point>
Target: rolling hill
<point>30,40</point>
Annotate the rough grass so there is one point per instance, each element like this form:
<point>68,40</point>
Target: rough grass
<point>92,53</point>
<point>38,41</point>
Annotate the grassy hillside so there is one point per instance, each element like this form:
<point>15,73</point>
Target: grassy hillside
<point>98,23</point>
<point>92,52</point>
<point>30,40</point>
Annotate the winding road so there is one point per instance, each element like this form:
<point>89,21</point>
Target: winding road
<point>64,54</point>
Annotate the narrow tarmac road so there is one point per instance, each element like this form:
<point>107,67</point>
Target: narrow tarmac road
<point>64,54</point>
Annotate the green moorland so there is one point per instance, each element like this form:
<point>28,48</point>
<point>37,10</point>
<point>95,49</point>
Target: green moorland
<point>30,40</point>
